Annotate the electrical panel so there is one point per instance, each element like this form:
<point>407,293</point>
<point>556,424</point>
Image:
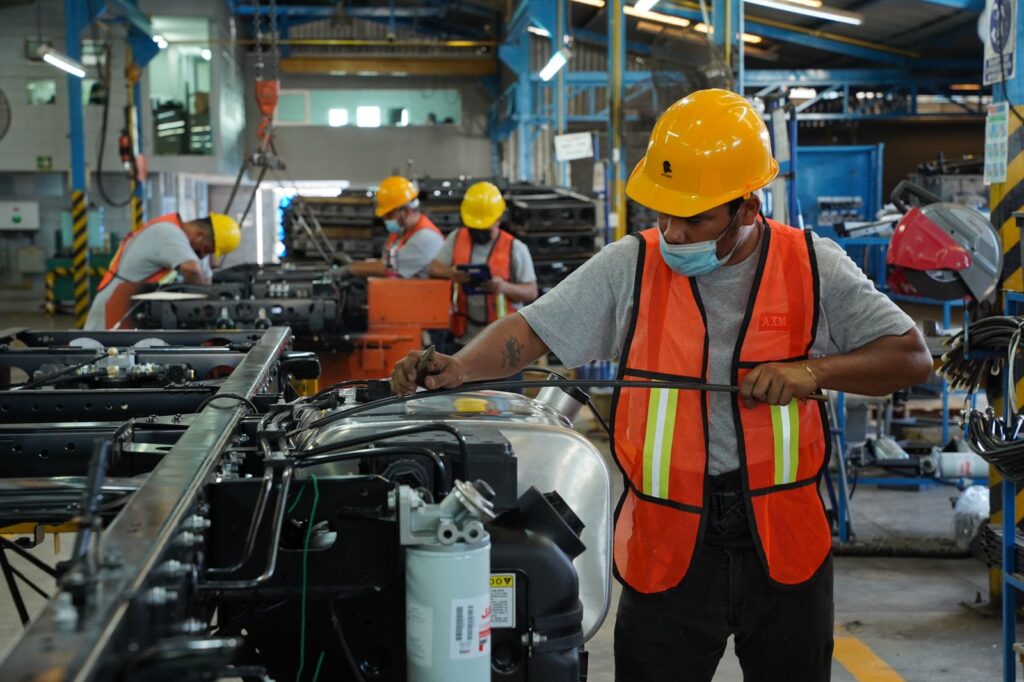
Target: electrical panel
<point>19,215</point>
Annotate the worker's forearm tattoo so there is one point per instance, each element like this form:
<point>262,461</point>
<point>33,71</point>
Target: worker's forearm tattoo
<point>513,351</point>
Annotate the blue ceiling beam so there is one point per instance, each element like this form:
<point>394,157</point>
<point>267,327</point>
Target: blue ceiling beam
<point>823,77</point>
<point>322,12</point>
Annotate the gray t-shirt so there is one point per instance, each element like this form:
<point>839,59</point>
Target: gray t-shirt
<point>159,246</point>
<point>521,269</point>
<point>412,258</point>
<point>574,319</point>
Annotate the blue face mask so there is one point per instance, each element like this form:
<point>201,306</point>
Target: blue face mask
<point>694,260</point>
<point>392,226</point>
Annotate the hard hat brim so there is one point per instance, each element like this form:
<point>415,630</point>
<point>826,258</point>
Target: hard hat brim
<point>644,191</point>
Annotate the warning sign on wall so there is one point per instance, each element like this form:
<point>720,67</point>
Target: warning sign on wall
<point>999,31</point>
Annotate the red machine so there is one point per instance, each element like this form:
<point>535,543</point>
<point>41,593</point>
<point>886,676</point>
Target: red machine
<point>942,250</point>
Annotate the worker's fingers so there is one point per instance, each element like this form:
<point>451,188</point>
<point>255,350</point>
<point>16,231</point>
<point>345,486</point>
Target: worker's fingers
<point>787,395</point>
<point>448,373</point>
<point>777,385</point>
<point>403,377</point>
<point>758,391</point>
<point>747,387</point>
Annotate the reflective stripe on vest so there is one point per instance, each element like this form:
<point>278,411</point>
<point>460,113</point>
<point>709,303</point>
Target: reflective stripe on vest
<point>660,436</point>
<point>115,262</point>
<point>500,263</point>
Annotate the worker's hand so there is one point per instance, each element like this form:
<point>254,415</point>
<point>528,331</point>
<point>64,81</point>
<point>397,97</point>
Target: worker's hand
<point>777,383</point>
<point>444,371</point>
<point>495,285</point>
<point>460,276</point>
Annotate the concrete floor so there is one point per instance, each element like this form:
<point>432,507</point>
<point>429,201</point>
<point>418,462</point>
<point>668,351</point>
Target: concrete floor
<point>896,619</point>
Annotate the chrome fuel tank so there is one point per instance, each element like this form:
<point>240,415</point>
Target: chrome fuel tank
<point>550,455</point>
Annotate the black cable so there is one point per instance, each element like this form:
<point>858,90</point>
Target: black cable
<point>590,401</point>
<point>103,68</point>
<point>340,384</point>
<point>387,451</point>
<point>50,378</point>
<point>345,648</point>
<point>506,385</point>
<point>234,396</point>
<point>378,436</point>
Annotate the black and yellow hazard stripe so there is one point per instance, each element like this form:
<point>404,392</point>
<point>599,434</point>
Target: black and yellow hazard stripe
<point>80,256</point>
<point>1006,199</point>
<point>50,284</point>
<point>136,210</point>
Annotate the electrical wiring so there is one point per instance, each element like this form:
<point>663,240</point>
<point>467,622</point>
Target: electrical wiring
<point>590,401</point>
<point>56,377</point>
<point>384,435</point>
<point>234,396</point>
<point>305,580</point>
<point>507,385</point>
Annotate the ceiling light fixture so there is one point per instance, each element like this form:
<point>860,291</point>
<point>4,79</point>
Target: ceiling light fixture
<point>538,31</point>
<point>748,38</point>
<point>809,11</point>
<point>61,61</point>
<point>555,64</point>
<point>645,5</point>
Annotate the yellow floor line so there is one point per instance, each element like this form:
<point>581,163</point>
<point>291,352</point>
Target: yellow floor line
<point>861,662</point>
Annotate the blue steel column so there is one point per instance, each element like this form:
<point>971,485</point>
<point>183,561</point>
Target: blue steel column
<point>561,105</point>
<point>139,201</point>
<point>616,65</point>
<point>515,53</point>
<point>727,34</point>
<point>75,19</point>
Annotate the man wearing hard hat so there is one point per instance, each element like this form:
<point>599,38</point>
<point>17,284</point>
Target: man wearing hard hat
<point>721,530</point>
<point>512,282</point>
<point>413,239</point>
<point>151,254</point>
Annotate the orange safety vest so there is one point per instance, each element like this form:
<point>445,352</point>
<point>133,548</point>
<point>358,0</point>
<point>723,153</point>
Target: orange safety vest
<point>396,240</point>
<point>500,263</point>
<point>660,436</point>
<point>120,301</point>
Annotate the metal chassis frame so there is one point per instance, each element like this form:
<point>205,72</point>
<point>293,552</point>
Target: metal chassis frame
<point>142,533</point>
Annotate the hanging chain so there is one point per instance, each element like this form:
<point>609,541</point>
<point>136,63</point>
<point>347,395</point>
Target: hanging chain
<point>275,52</point>
<point>257,32</point>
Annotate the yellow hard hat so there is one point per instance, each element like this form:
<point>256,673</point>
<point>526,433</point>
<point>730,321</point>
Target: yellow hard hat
<point>226,234</point>
<point>706,149</point>
<point>482,206</point>
<point>394,192</point>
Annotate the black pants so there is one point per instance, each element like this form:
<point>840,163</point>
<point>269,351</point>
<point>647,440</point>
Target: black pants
<point>781,634</point>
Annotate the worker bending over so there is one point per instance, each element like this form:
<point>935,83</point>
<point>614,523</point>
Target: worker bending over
<point>151,253</point>
<point>512,282</point>
<point>721,529</point>
<point>412,238</point>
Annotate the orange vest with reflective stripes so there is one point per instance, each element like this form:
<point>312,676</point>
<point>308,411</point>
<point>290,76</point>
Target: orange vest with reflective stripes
<point>116,260</point>
<point>660,436</point>
<point>500,263</point>
<point>397,240</point>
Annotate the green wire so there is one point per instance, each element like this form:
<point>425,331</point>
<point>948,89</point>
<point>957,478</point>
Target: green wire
<point>316,673</point>
<point>305,572</point>
<point>295,502</point>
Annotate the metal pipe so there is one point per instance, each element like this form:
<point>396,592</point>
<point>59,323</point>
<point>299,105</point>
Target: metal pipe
<point>346,42</point>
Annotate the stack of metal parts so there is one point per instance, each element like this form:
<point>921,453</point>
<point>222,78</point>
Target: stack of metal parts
<point>987,545</point>
<point>559,227</point>
<point>347,221</point>
<point>322,307</point>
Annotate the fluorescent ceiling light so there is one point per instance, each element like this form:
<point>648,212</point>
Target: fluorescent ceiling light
<point>538,31</point>
<point>807,10</point>
<point>592,3</point>
<point>206,53</point>
<point>62,61</point>
<point>807,3</point>
<point>802,93</point>
<point>748,38</point>
<point>645,5</point>
<point>555,64</point>
<point>160,42</point>
<point>656,16</point>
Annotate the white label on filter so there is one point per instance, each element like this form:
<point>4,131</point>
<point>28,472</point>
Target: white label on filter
<point>503,600</point>
<point>419,633</point>
<point>469,634</point>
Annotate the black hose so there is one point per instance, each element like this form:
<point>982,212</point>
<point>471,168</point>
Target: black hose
<point>345,648</point>
<point>51,378</point>
<point>387,451</point>
<point>378,436</point>
<point>233,396</point>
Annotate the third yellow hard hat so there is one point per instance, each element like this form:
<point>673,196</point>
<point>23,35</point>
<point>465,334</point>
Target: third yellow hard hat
<point>706,149</point>
<point>482,206</point>
<point>226,234</point>
<point>394,192</point>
